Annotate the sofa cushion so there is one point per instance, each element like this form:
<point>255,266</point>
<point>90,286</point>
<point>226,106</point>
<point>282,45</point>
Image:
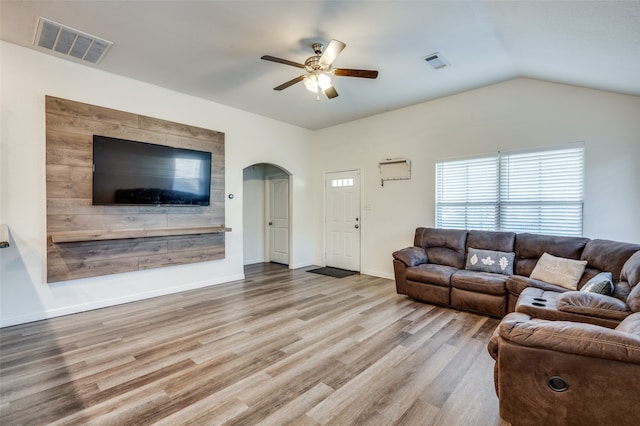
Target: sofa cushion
<point>544,304</point>
<point>571,337</point>
<point>480,282</point>
<point>498,262</point>
<point>529,248</point>
<point>443,246</point>
<point>491,240</point>
<point>559,271</point>
<point>490,304</point>
<point>601,284</point>
<point>608,256</point>
<point>431,274</point>
<point>630,324</point>
<point>631,270</point>
<point>633,300</point>
<point>593,304</point>
<point>517,283</point>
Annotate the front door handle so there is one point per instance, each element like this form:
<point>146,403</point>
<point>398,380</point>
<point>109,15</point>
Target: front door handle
<point>357,226</point>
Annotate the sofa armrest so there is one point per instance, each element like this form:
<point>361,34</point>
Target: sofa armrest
<point>493,344</point>
<point>572,338</point>
<point>593,304</point>
<point>411,256</point>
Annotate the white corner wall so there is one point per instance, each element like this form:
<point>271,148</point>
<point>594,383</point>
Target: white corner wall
<point>253,214</point>
<point>26,76</point>
<point>518,114</point>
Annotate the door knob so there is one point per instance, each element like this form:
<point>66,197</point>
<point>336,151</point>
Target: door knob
<point>357,226</point>
<point>270,223</point>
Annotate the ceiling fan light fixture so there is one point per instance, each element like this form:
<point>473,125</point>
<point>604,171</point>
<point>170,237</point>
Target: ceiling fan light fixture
<point>319,70</point>
<point>317,80</point>
<point>311,83</point>
<point>324,81</point>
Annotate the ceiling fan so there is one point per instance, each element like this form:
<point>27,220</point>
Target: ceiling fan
<point>318,68</point>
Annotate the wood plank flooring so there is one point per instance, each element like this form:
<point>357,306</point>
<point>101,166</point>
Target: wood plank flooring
<point>280,347</point>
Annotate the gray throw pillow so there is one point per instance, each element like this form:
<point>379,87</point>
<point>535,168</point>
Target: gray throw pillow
<point>601,283</point>
<point>498,262</point>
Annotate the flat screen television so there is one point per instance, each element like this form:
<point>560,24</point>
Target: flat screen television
<point>137,173</point>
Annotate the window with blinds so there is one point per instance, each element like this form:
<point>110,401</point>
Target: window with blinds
<point>539,192</point>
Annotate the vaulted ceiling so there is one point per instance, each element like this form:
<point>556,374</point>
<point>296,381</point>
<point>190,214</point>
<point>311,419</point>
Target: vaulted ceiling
<point>212,49</point>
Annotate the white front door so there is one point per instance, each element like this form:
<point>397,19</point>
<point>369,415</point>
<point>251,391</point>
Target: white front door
<point>343,220</point>
<point>279,220</point>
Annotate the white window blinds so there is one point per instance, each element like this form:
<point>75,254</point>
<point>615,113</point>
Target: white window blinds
<point>539,192</point>
<point>542,192</point>
<point>467,193</point>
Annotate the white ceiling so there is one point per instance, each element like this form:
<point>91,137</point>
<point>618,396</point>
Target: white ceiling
<point>212,49</point>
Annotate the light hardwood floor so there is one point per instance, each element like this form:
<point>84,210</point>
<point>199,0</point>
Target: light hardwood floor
<point>280,347</point>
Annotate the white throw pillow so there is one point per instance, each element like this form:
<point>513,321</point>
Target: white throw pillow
<point>559,271</point>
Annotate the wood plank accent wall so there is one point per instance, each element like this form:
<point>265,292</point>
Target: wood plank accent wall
<point>70,127</point>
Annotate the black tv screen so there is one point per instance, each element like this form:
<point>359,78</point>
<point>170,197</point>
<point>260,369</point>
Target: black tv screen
<point>138,173</point>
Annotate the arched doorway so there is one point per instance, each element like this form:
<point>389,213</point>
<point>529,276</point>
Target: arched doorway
<point>266,214</point>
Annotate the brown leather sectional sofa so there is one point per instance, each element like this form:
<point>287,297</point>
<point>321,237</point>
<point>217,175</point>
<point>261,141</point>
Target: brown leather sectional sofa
<point>565,356</point>
<point>433,270</point>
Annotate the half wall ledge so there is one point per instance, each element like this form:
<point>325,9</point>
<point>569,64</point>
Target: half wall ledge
<point>123,234</point>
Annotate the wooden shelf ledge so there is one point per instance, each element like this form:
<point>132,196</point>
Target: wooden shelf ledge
<point>79,236</point>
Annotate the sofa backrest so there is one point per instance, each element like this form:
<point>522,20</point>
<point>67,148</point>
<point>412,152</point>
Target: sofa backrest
<point>443,246</point>
<point>491,240</point>
<point>631,270</point>
<point>449,247</point>
<point>630,324</point>
<point>631,273</point>
<point>529,248</point>
<point>609,256</point>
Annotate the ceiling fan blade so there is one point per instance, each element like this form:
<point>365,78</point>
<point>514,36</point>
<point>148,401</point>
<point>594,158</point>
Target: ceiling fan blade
<point>331,52</point>
<point>331,92</point>
<point>345,72</point>
<point>282,61</point>
<point>289,83</point>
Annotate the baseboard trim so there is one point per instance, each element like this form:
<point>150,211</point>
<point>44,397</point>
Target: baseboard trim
<point>378,274</point>
<point>300,265</point>
<point>68,310</point>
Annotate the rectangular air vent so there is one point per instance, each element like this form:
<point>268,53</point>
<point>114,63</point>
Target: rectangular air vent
<point>68,41</point>
<point>436,61</point>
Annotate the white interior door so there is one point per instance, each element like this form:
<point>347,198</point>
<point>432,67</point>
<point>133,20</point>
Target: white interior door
<point>279,220</point>
<point>343,220</point>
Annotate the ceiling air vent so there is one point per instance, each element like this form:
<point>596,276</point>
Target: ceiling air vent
<point>436,61</point>
<point>69,41</point>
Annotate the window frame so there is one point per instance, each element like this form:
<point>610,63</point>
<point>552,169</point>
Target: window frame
<point>551,206</point>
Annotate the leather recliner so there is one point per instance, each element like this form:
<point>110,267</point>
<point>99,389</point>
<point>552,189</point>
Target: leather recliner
<point>567,373</point>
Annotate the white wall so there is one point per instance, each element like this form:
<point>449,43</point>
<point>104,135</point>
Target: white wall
<point>253,215</point>
<point>518,114</point>
<point>26,76</point>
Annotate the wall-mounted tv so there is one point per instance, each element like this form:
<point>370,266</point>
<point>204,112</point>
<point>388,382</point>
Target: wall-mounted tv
<point>136,173</point>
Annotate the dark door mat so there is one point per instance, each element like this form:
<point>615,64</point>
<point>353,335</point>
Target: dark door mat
<point>333,272</point>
